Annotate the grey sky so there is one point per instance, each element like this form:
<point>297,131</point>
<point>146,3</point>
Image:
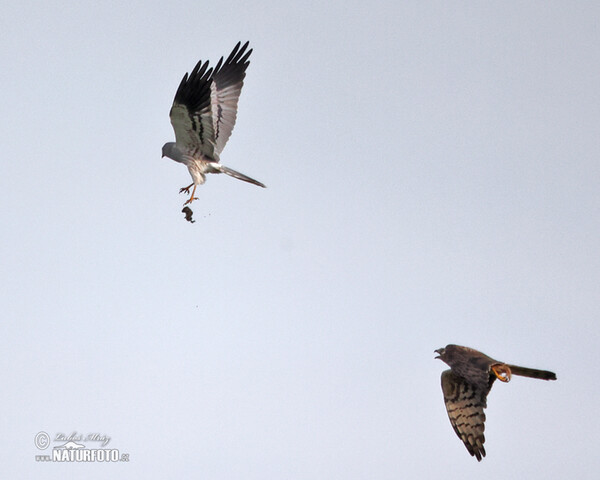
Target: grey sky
<point>432,173</point>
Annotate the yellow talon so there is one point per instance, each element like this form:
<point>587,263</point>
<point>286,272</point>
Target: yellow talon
<point>502,372</point>
<point>186,189</point>
<point>192,198</point>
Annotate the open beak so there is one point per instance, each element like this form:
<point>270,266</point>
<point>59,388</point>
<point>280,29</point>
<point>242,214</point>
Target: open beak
<point>439,351</point>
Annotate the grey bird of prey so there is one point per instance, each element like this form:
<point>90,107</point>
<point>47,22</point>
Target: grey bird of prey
<point>466,386</point>
<point>203,116</point>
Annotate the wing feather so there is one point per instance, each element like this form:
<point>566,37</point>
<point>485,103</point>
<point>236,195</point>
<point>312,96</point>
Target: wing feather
<point>465,403</point>
<point>205,107</point>
<point>191,112</point>
<point>228,78</point>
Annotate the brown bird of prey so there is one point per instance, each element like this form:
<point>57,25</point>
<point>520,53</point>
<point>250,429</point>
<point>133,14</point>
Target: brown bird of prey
<point>466,386</point>
<point>203,116</point>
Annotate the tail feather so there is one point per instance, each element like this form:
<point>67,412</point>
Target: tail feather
<point>532,373</point>
<point>239,176</point>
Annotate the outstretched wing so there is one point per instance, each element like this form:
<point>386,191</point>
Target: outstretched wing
<point>191,115</point>
<point>228,80</point>
<point>205,107</point>
<point>465,402</point>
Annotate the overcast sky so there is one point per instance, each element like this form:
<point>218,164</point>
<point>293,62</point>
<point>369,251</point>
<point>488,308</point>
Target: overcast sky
<point>433,177</point>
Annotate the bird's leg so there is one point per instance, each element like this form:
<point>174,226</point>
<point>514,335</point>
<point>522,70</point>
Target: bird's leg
<point>502,372</point>
<point>192,198</point>
<point>186,189</point>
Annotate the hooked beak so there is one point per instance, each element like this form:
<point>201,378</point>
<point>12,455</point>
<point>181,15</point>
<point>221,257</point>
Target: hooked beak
<point>440,351</point>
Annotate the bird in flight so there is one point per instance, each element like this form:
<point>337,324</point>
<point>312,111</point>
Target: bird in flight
<point>203,116</point>
<point>466,386</point>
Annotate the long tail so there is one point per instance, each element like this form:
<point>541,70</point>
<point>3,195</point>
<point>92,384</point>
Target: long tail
<point>239,176</point>
<point>532,373</point>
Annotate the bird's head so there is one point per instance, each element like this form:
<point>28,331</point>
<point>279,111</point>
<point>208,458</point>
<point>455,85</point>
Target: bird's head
<point>165,150</point>
<point>448,352</point>
<point>170,150</point>
<point>441,352</point>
